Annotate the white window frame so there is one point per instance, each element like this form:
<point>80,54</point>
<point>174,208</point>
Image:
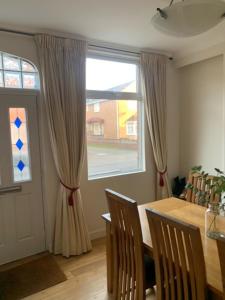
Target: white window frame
<point>111,95</point>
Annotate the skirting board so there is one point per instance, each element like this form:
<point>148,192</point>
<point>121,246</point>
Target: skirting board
<point>97,233</point>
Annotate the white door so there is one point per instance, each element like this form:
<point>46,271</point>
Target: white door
<point>21,206</point>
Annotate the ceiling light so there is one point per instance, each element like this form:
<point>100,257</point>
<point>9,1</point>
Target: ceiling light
<point>189,17</point>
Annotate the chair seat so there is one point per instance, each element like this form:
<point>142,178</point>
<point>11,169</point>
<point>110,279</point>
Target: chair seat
<point>149,271</point>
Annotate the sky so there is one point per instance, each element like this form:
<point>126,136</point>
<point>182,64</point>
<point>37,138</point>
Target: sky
<point>104,74</point>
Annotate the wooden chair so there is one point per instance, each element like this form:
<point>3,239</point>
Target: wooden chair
<point>178,256</point>
<point>133,272</point>
<point>200,183</point>
<point>221,251</point>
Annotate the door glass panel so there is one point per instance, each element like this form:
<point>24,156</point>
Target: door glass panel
<point>26,67</point>
<point>11,63</point>
<point>29,80</point>
<point>12,79</point>
<point>1,79</point>
<point>20,145</point>
<point>1,61</point>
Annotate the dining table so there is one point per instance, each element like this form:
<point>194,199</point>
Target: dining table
<point>185,211</point>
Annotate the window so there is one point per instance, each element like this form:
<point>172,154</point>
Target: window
<point>97,107</point>
<point>131,127</point>
<point>17,73</point>
<point>20,144</point>
<point>115,133</point>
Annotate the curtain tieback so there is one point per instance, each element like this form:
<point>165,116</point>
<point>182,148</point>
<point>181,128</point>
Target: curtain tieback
<point>161,180</point>
<point>72,191</point>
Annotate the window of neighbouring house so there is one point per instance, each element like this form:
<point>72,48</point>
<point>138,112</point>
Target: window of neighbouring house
<point>97,107</point>
<point>17,73</point>
<point>131,128</point>
<point>114,117</point>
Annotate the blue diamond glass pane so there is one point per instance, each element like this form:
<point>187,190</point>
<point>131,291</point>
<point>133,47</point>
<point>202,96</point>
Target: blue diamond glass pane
<point>20,165</point>
<point>19,144</point>
<point>17,122</point>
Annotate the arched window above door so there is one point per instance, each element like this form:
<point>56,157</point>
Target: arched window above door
<point>16,72</point>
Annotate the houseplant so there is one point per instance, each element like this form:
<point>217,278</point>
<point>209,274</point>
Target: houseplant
<point>210,193</point>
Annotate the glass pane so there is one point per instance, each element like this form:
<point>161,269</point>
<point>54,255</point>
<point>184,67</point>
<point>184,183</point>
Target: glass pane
<point>0,60</point>
<point>20,146</point>
<point>11,63</point>
<point>113,141</point>
<point>1,79</point>
<point>27,67</point>
<point>29,81</point>
<point>121,77</point>
<point>12,79</point>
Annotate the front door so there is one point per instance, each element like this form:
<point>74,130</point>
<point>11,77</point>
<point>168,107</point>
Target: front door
<point>21,206</point>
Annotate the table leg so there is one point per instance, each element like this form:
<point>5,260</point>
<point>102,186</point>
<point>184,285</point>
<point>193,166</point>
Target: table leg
<point>109,257</point>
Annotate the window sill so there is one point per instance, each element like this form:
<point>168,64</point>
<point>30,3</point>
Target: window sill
<point>109,175</point>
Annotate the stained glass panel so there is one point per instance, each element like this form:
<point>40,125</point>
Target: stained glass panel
<point>12,79</point>
<point>20,147</point>
<point>11,63</point>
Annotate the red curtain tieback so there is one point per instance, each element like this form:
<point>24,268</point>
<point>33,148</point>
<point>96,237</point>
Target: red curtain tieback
<point>161,180</point>
<point>72,191</point>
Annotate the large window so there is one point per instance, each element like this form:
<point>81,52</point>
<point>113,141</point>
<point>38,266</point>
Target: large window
<point>114,117</point>
<point>17,73</point>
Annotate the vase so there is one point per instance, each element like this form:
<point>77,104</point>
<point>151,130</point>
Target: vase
<point>214,221</point>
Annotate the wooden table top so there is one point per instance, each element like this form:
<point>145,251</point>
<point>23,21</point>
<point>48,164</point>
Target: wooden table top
<point>192,214</point>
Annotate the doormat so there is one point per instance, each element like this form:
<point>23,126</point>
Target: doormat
<point>30,278</point>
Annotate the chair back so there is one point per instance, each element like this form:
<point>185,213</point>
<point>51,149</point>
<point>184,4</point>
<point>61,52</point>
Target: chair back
<point>128,268</point>
<point>221,251</point>
<point>178,256</point>
<point>202,184</point>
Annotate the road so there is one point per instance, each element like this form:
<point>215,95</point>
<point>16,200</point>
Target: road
<point>103,159</point>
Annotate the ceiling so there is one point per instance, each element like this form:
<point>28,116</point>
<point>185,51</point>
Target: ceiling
<point>126,22</point>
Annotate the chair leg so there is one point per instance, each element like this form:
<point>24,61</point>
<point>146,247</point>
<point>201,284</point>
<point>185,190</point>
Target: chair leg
<point>109,257</point>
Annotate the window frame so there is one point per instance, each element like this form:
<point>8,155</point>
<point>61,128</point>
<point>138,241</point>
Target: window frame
<point>110,95</point>
<point>21,72</point>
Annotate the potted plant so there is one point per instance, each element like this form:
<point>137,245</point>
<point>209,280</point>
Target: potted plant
<point>211,196</point>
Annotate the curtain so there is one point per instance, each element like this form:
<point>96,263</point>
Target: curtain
<point>153,70</point>
<point>62,68</point>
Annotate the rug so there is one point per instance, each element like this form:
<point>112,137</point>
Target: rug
<point>30,278</point>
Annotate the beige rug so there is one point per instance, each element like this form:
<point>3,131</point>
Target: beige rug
<point>30,278</point>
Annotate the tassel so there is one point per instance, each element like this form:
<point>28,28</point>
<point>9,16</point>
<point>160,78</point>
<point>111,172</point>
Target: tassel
<point>161,180</point>
<point>72,191</point>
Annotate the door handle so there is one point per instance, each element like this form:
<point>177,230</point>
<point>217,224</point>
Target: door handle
<point>10,189</point>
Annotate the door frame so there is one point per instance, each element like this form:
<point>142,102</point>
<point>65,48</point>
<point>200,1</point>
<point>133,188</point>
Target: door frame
<point>36,93</point>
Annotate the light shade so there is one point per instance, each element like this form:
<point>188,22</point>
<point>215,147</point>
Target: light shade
<point>190,17</point>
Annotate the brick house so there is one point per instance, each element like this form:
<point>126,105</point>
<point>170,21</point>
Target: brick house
<point>112,120</point>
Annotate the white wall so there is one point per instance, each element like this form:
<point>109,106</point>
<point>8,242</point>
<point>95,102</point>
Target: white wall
<point>138,186</point>
<point>201,115</point>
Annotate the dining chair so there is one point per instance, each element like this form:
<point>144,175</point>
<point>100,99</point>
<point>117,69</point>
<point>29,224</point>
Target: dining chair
<point>202,184</point>
<point>133,272</point>
<point>221,250</point>
<point>178,256</point>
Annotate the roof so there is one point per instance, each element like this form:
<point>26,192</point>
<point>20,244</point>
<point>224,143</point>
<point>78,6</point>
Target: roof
<point>117,88</point>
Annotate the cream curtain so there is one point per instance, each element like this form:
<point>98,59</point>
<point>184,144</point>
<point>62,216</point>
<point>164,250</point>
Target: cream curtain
<point>62,66</point>
<point>153,70</point>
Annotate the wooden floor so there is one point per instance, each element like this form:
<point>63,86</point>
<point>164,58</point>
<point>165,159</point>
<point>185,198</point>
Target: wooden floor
<point>86,277</point>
